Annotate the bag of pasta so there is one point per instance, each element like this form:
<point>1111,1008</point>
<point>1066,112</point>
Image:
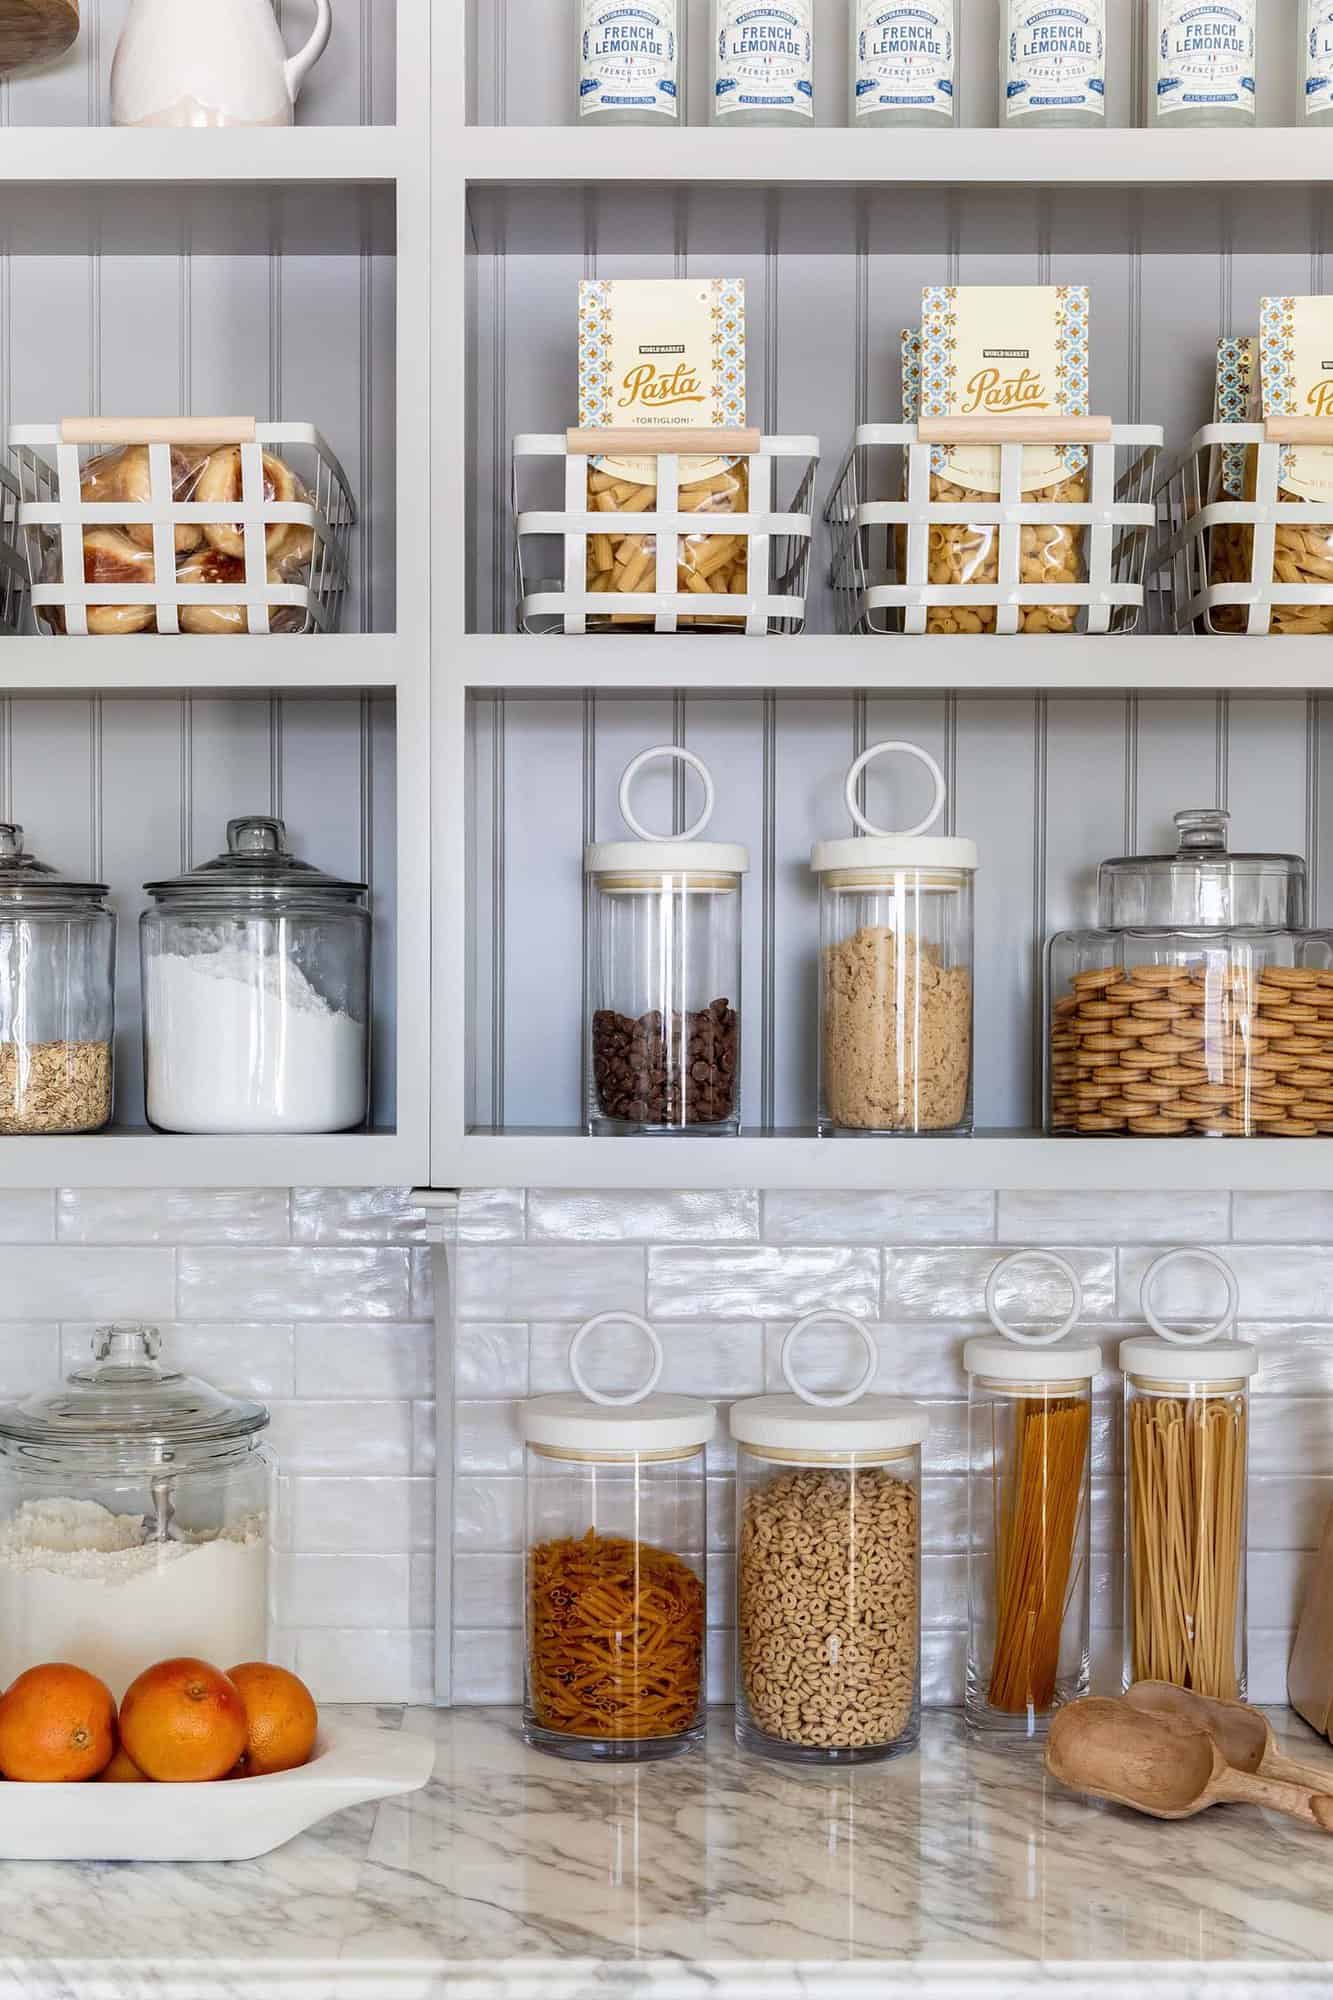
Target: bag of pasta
<point>1295,340</point>
<point>1001,350</point>
<point>1232,475</point>
<point>623,562</point>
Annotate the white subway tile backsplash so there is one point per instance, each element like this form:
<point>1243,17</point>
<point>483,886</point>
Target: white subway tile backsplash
<point>1058,1218</point>
<point>422,1268</point>
<point>712,1360</point>
<point>374,1360</point>
<point>857,1216</point>
<point>762,1283</point>
<point>503,1282</point>
<point>488,1514</point>
<point>951,1285</point>
<point>488,1668</point>
<point>424,1444</point>
<point>1282,1218</point>
<point>308,1283</point>
<point>1289,1513</point>
<point>491,1361</point>
<point>355,1591</point>
<point>63,1282</point>
<point>633,1215</point>
<point>486,1438</point>
<point>29,1358</point>
<point>488,1590</point>
<point>491,1215</point>
<point>342,1439</point>
<point>1277,1281</point>
<point>421,1596</point>
<point>356,1215</point>
<point>918,1359</point>
<point>348,1665</point>
<point>1290,1435</point>
<point>242,1360</point>
<point>173,1215</point>
<point>364,1516</point>
<point>28,1215</point>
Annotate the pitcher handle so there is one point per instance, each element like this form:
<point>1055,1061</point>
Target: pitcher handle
<point>300,66</point>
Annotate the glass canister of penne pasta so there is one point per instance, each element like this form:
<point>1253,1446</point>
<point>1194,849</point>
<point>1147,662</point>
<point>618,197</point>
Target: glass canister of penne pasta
<point>623,561</point>
<point>614,1563</point>
<point>1187,1422</point>
<point>1029,1426</point>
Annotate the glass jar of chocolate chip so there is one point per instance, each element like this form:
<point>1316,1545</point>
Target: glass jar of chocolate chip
<point>664,973</point>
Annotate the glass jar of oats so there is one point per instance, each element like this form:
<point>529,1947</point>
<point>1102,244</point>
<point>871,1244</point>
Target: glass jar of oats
<point>57,997</point>
<point>1199,1005</point>
<point>828,1568</point>
<point>895,971</point>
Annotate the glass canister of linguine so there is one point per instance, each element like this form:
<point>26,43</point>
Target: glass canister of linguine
<point>614,1584</point>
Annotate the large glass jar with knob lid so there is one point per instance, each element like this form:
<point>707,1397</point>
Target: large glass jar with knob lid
<point>614,1566</point>
<point>1029,1394</point>
<point>1187,1429</point>
<point>828,1568</point>
<point>895,971</point>
<point>135,1519</point>
<point>57,997</point>
<point>664,973</point>
<point>256,993</point>
<point>1200,1004</point>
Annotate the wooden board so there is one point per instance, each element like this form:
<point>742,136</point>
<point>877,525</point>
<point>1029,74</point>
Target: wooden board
<point>33,31</point>
<point>1310,1674</point>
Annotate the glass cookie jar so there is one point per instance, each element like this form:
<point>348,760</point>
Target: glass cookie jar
<point>1201,1004</point>
<point>828,1568</point>
<point>664,974</point>
<point>614,1567</point>
<point>57,997</point>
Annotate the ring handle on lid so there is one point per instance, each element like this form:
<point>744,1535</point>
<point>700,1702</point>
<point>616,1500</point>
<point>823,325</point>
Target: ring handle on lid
<point>1023,1336</point>
<point>682,756</point>
<point>582,1384</point>
<point>1179,1336</point>
<point>907,750</point>
<point>813,1396</point>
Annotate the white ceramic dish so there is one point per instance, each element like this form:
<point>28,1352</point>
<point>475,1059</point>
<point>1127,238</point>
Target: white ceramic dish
<point>234,1821</point>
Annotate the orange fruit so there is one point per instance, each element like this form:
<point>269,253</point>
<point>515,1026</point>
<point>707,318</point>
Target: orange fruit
<point>183,1723</point>
<point>57,1726</point>
<point>122,1770</point>
<point>281,1717</point>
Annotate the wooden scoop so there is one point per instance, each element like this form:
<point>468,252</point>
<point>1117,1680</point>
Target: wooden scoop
<point>33,31</point>
<point>1242,1734</point>
<point>1157,1764</point>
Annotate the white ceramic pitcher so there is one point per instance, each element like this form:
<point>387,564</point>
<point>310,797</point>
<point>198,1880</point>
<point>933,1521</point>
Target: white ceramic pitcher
<point>210,62</point>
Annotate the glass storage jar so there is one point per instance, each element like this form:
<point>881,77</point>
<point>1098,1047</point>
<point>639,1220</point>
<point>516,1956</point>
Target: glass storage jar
<point>895,972</point>
<point>614,1567</point>
<point>828,1568</point>
<point>135,1519</point>
<point>1202,65</point>
<point>57,997</point>
<point>664,974</point>
<point>1052,63</point>
<point>1200,1004</point>
<point>1187,1426</point>
<point>763,62</point>
<point>1029,1399</point>
<point>256,993</point>
<point>903,65</point>
<point>631,61</point>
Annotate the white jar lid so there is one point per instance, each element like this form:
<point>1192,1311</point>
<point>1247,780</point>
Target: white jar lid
<point>1166,1361</point>
<point>656,853</point>
<point>606,1426</point>
<point>905,847</point>
<point>991,1354</point>
<point>789,1423</point>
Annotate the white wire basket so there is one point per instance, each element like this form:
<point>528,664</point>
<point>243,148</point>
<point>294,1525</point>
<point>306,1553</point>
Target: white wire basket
<point>287,569</point>
<point>1223,564</point>
<point>882,548</point>
<point>772,537</point>
<point>13,567</point>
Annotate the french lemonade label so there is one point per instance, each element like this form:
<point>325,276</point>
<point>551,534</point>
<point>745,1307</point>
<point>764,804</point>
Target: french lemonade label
<point>765,57</point>
<point>1205,56</point>
<point>904,56</point>
<point>1318,56</point>
<point>1056,57</point>
<point>629,58</point>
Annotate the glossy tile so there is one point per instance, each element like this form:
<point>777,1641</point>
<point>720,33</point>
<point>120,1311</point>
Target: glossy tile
<point>632,1215</point>
<point>173,1215</point>
<point>761,1283</point>
<point>858,1216</point>
<point>356,1216</point>
<point>374,1360</point>
<point>309,1283</point>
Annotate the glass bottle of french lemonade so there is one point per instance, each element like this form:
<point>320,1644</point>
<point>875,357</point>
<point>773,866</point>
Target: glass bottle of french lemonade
<point>763,62</point>
<point>1052,63</point>
<point>904,63</point>
<point>631,62</point>
<point>1202,62</point>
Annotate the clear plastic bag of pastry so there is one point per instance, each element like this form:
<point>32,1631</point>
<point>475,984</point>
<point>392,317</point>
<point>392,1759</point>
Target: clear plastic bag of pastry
<point>623,562</point>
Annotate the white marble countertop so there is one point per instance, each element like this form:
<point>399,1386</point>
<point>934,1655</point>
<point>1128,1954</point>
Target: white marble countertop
<point>517,1877</point>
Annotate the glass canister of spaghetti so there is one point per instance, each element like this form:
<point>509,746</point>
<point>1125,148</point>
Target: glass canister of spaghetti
<point>1029,1392</point>
<point>1187,1426</point>
<point>615,1551</point>
<point>828,1568</point>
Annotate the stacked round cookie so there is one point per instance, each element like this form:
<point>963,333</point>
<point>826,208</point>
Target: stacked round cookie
<point>1219,1049</point>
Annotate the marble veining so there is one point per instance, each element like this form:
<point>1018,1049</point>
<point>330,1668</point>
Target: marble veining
<point>516,1877</point>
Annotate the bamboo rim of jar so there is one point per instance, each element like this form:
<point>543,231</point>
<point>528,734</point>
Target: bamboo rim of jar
<point>1187,1392</point>
<point>892,881</point>
<point>574,1455</point>
<point>872,1455</point>
<point>684,881</point>
<point>1029,1391</point>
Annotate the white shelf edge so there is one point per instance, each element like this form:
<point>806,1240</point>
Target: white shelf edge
<point>512,156</point>
<point>1005,1161</point>
<point>64,156</point>
<point>1145,665</point>
<point>137,1159</point>
<point>148,663</point>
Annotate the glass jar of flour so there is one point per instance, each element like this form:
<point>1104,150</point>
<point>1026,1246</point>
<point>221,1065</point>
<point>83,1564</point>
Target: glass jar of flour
<point>256,993</point>
<point>135,1519</point>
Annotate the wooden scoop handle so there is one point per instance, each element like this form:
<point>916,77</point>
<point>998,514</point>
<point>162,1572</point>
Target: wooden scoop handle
<point>1293,1800</point>
<point>1311,1777</point>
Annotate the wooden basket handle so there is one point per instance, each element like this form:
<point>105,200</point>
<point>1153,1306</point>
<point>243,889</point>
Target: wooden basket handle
<point>1299,430</point>
<point>157,430</point>
<point>1016,429</point>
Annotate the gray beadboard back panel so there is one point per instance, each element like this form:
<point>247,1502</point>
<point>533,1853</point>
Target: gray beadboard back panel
<point>353,84</point>
<point>133,789</point>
